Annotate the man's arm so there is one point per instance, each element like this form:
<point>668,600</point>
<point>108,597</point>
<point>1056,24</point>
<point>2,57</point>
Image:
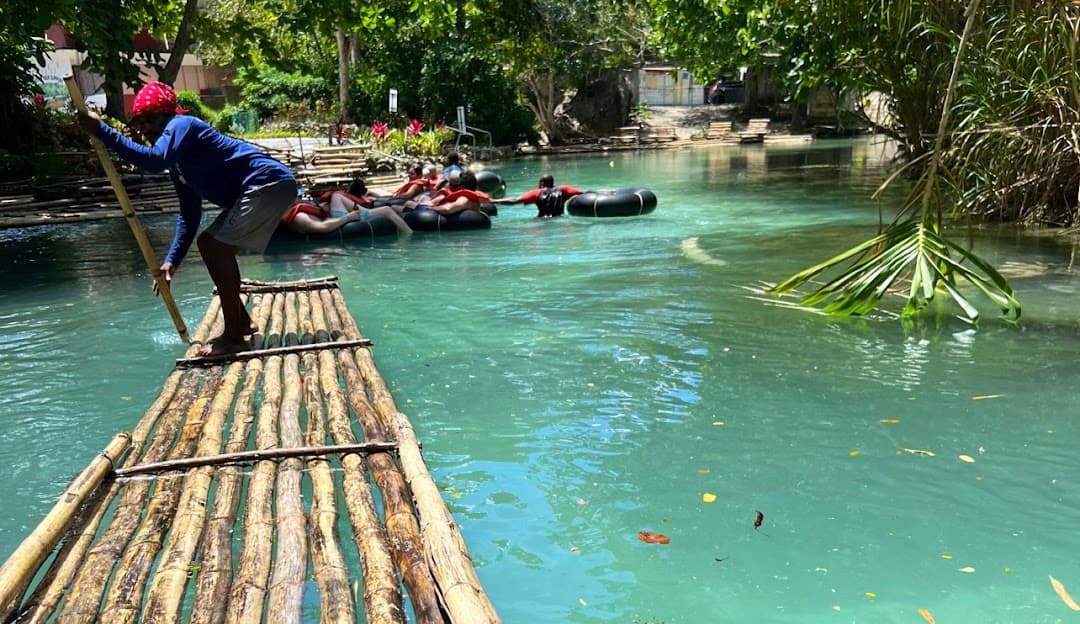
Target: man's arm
<point>187,222</point>
<point>154,159</point>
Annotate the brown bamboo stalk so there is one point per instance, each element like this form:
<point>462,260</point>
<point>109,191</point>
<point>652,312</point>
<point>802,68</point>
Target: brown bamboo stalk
<point>254,286</point>
<point>445,549</point>
<point>381,590</point>
<point>124,599</point>
<point>84,596</point>
<point>328,561</point>
<point>223,358</point>
<point>285,600</point>
<point>23,564</point>
<point>52,588</point>
<point>216,565</point>
<point>401,523</point>
<point>249,587</point>
<point>163,601</point>
<point>243,457</point>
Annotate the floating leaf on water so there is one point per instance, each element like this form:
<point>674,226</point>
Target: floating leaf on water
<point>968,570</point>
<point>918,452</point>
<point>968,459</point>
<point>836,607</point>
<point>986,396</point>
<point>703,471</point>
<point>926,616</point>
<point>653,538</point>
<point>574,549</point>
<point>890,421</point>
<point>946,556</point>
<point>1064,594</point>
<point>854,453</point>
<point>580,501</point>
<point>871,595</point>
<point>582,601</point>
<point>718,423</point>
<point>708,497</point>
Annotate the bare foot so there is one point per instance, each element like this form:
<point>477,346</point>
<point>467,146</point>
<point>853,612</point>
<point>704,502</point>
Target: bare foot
<point>223,346</point>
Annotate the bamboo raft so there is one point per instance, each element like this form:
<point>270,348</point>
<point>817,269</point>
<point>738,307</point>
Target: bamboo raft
<point>221,505</point>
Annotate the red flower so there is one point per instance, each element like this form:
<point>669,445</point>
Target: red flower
<point>379,130</point>
<point>415,126</point>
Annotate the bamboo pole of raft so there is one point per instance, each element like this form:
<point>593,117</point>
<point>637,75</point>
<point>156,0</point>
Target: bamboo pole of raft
<point>381,589</point>
<point>163,601</point>
<point>242,457</point>
<point>84,596</point>
<point>256,551</point>
<point>285,600</point>
<point>327,558</point>
<point>129,213</point>
<point>54,585</point>
<point>445,549</point>
<point>216,564</point>
<point>401,525</point>
<point>20,568</point>
<point>124,600</point>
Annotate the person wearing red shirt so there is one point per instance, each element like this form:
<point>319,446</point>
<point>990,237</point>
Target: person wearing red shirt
<point>550,200</point>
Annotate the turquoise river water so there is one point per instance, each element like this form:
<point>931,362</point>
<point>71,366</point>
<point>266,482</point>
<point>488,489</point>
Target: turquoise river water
<point>576,381</point>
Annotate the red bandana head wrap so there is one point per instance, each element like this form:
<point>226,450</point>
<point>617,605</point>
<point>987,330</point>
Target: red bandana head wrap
<point>156,98</point>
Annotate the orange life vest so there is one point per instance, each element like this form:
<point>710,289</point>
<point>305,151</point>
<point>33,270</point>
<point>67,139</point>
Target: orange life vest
<point>306,207</point>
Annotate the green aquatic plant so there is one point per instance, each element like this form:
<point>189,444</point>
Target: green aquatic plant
<point>911,256</point>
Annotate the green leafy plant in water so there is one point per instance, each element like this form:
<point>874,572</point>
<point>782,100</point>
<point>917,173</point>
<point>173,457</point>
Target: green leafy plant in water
<point>911,249</point>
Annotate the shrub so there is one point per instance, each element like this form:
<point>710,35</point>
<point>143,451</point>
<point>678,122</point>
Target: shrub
<point>195,106</point>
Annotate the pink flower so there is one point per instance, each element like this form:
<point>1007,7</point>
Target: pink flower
<point>379,130</point>
<point>442,126</point>
<point>415,126</point>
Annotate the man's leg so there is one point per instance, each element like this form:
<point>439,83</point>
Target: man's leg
<point>220,260</point>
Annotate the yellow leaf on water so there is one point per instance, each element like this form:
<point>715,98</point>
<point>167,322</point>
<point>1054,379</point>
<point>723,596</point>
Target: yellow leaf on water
<point>574,549</point>
<point>926,616</point>
<point>1065,597</point>
<point>582,601</point>
<point>708,497</point>
<point>836,607</point>
<point>871,595</point>
<point>890,421</point>
<point>854,453</point>
<point>703,471</point>
<point>946,556</point>
<point>986,396</point>
<point>968,459</point>
<point>968,570</point>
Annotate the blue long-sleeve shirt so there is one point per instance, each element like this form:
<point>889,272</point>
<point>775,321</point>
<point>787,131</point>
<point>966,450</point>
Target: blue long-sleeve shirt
<point>203,164</point>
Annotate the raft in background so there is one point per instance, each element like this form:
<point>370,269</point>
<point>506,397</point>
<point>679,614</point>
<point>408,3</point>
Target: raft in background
<point>148,528</point>
<point>624,202</point>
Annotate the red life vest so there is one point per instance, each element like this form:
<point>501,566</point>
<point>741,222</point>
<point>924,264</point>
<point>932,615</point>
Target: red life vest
<point>306,207</point>
<point>475,196</point>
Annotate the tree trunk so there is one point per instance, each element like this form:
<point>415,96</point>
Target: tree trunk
<point>114,98</point>
<point>344,45</point>
<point>181,44</point>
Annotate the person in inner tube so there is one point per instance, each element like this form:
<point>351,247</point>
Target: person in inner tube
<point>336,208</point>
<point>550,200</point>
<point>452,199</point>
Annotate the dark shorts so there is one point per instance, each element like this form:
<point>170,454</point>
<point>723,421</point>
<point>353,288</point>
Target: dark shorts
<point>251,222</point>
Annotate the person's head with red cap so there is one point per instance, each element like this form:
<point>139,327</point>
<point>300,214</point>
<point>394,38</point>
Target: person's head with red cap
<point>155,104</point>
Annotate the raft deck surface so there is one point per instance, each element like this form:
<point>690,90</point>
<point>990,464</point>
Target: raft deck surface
<point>221,505</point>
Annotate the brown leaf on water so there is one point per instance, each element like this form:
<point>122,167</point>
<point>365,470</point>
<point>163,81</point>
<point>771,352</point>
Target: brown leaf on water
<point>927,616</point>
<point>1064,594</point>
<point>653,538</point>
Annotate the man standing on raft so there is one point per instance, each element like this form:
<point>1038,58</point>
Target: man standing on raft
<point>253,190</point>
<point>550,200</point>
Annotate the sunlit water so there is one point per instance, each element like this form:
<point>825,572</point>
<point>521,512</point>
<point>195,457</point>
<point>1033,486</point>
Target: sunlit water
<point>577,381</point>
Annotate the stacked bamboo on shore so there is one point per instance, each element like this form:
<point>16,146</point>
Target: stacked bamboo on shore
<point>221,505</point>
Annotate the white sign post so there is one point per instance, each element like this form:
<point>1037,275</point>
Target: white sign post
<point>393,100</point>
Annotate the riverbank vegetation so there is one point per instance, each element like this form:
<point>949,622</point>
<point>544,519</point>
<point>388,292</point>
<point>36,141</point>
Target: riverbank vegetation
<point>982,97</point>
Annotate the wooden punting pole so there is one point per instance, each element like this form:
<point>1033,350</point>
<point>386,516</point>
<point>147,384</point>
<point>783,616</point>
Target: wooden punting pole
<point>129,214</point>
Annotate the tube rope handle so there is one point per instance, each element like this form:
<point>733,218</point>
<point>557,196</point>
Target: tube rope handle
<point>129,213</point>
